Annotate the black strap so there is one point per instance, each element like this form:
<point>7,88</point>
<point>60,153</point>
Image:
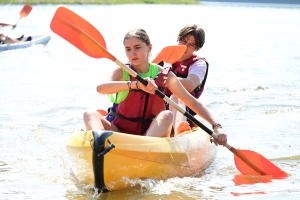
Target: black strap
<point>144,113</point>
<point>138,119</point>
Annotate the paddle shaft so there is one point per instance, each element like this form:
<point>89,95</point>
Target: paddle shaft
<point>12,29</point>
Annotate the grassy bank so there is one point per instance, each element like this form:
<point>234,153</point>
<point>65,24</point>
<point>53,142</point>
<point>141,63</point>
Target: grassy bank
<point>99,2</point>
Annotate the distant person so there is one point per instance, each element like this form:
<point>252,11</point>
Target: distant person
<point>7,40</point>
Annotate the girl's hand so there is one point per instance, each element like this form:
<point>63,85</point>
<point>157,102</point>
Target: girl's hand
<point>222,137</point>
<point>150,88</point>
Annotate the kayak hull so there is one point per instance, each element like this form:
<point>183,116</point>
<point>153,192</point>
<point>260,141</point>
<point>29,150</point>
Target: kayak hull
<point>36,40</point>
<point>112,161</point>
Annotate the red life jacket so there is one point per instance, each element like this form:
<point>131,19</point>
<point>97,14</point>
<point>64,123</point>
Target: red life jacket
<point>135,113</point>
<point>181,69</point>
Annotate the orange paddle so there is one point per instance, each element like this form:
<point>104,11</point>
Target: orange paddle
<point>25,10</point>
<point>264,166</point>
<point>247,162</point>
<point>68,23</point>
<point>23,13</point>
<point>170,54</point>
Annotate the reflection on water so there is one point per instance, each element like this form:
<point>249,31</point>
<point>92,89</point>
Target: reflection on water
<point>250,179</point>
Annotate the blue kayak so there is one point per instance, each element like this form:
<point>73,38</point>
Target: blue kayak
<point>27,42</point>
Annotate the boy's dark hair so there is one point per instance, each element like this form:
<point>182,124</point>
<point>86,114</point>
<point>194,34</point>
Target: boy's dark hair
<point>194,30</point>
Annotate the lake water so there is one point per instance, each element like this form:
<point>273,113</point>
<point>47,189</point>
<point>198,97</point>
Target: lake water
<point>252,89</point>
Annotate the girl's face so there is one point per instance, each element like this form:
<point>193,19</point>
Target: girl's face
<point>137,51</point>
<point>190,43</point>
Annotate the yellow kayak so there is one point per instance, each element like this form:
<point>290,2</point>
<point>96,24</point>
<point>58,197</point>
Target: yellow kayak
<point>109,160</point>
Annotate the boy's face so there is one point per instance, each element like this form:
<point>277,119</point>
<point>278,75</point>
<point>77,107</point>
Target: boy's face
<point>190,43</point>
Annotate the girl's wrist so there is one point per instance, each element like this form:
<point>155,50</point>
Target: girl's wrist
<point>216,125</point>
<point>129,84</point>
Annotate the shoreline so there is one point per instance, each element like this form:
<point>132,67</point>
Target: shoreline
<point>149,2</point>
<point>99,2</point>
<point>293,2</point>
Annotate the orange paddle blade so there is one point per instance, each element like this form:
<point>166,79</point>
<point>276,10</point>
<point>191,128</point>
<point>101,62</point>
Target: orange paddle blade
<point>80,33</point>
<point>102,112</point>
<point>170,54</point>
<point>25,10</point>
<point>263,165</point>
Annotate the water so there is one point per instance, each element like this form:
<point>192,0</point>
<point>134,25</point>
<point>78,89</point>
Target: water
<point>252,89</point>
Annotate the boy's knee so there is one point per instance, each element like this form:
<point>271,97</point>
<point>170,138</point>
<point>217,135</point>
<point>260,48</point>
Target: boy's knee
<point>168,116</point>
